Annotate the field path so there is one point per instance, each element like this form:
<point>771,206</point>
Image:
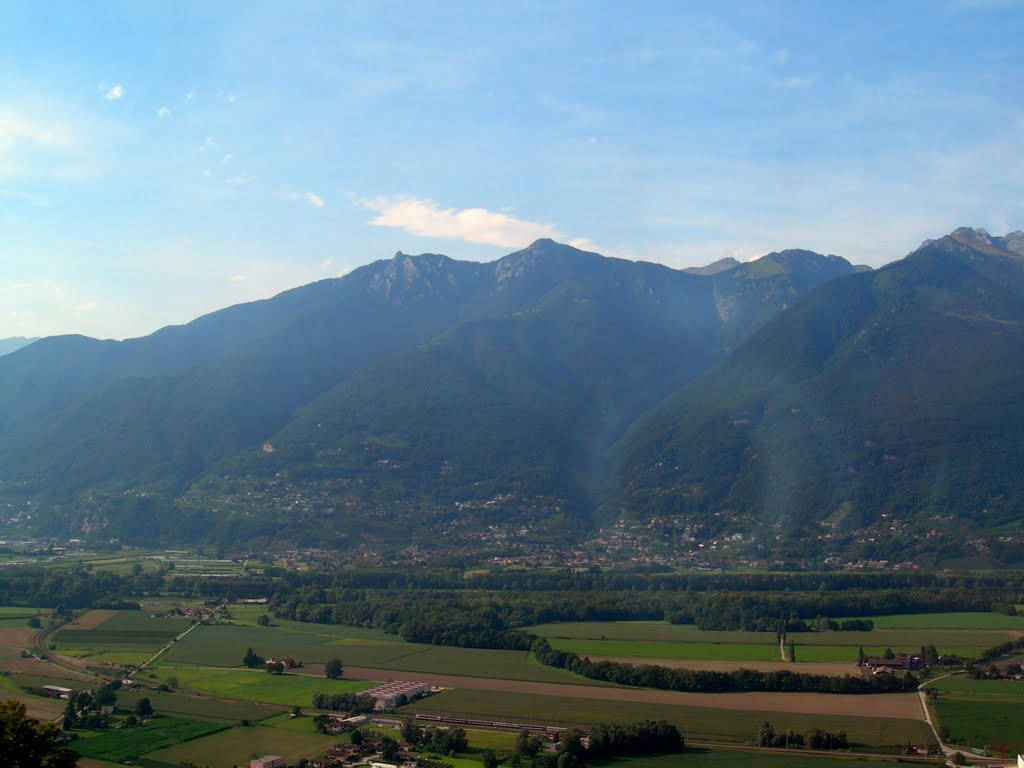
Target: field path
<point>903,706</point>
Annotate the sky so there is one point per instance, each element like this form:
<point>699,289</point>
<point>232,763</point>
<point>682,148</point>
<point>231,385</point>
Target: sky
<point>159,161</point>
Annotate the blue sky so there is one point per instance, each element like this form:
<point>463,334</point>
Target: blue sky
<point>160,161</point>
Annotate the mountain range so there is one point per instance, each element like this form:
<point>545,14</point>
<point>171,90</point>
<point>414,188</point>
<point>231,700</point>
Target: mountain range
<point>792,398</point>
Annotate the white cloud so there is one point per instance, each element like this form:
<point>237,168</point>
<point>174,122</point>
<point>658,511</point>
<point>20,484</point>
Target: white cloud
<point>87,306</point>
<point>240,179</point>
<point>190,94</point>
<point>237,278</point>
<point>15,129</point>
<point>227,159</point>
<point>232,98</point>
<point>314,200</point>
<point>37,148</point>
<point>208,143</point>
<point>782,55</point>
<point>472,225</point>
<point>163,112</point>
<point>114,93</point>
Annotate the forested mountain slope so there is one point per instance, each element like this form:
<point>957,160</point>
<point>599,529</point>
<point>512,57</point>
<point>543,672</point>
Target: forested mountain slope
<point>892,397</point>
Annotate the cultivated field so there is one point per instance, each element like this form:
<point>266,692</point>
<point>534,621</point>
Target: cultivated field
<point>128,743</point>
<point>117,637</point>
<point>966,635</point>
<point>976,721</point>
<point>237,745</point>
<point>224,645</point>
<point>701,720</point>
<point>894,705</point>
<point>198,707</point>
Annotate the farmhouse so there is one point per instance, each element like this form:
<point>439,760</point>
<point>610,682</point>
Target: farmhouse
<point>56,691</point>
<point>901,662</point>
<point>268,761</point>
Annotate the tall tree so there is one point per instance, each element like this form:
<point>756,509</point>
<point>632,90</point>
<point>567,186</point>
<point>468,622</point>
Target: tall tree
<point>27,743</point>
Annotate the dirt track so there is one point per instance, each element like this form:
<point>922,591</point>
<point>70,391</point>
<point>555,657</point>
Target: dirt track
<point>810,668</point>
<point>891,705</point>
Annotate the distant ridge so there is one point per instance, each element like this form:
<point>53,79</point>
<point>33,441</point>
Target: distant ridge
<point>714,267</point>
<point>15,343</point>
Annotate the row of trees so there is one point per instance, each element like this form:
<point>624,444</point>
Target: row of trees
<point>708,681</point>
<point>478,619</point>
<point>646,738</point>
<point>343,702</point>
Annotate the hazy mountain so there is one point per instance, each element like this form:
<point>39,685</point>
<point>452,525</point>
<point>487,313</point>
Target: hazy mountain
<point>892,399</point>
<point>419,379</point>
<point>714,267</point>
<point>14,343</point>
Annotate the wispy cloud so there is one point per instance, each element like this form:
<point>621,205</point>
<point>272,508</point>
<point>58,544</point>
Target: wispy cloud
<point>314,200</point>
<point>163,112</point>
<point>115,93</point>
<point>240,179</point>
<point>472,225</point>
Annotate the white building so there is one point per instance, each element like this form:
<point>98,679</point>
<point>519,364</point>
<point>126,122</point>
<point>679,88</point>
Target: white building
<point>268,761</point>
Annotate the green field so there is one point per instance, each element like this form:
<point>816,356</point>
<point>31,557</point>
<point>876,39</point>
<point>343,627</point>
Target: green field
<point>949,621</point>
<point>129,743</point>
<point>660,640</point>
<point>1001,688</point>
<point>647,649</point>
<point>696,723</point>
<point>127,637</point>
<point>197,707</point>
<point>976,721</point>
<point>727,758</point>
<point>223,645</point>
<point>257,685</point>
<point>238,745</point>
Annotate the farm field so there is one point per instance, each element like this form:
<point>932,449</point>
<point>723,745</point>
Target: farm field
<point>956,684</point>
<point>198,707</point>
<point>237,745</point>
<point>975,721</point>
<point>223,645</point>
<point>129,743</point>
<point>255,685</point>
<point>697,757</point>
<point>696,722</point>
<point>660,640</point>
<point>120,637</point>
<point>970,621</point>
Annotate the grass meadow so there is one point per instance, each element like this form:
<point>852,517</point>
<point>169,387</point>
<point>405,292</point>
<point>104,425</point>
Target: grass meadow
<point>976,721</point>
<point>197,707</point>
<point>963,634</point>
<point>696,723</point>
<point>257,685</point>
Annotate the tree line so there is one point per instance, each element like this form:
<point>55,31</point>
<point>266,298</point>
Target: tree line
<point>709,681</point>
